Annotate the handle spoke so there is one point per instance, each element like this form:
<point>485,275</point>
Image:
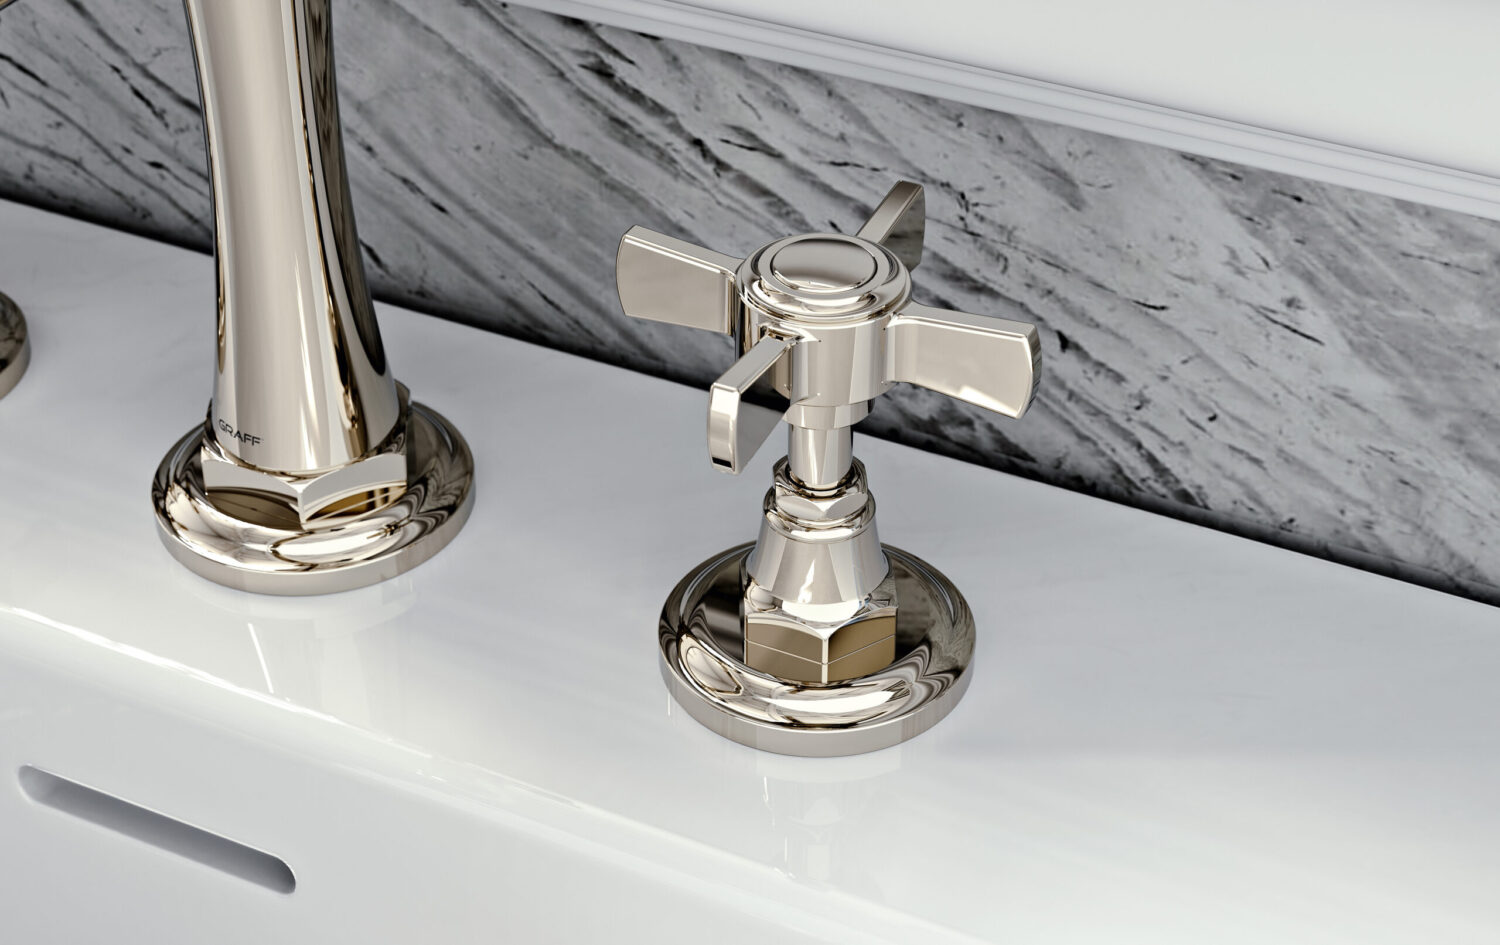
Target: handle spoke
<point>665,279</point>
<point>899,223</point>
<point>737,429</point>
<point>989,362</point>
<point>835,325</point>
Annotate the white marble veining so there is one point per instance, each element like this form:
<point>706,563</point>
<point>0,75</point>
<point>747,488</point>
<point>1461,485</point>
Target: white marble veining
<point>1293,361</point>
<point>1172,735</point>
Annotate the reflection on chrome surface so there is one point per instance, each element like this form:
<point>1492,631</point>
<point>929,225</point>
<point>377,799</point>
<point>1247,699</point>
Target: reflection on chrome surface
<point>824,323</point>
<point>286,558</point>
<point>700,636</point>
<point>301,480</point>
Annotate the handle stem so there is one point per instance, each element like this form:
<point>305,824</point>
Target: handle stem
<point>820,459</point>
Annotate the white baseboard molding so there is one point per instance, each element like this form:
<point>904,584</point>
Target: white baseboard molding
<point>1211,132</point>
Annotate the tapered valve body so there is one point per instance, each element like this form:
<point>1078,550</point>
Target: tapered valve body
<point>301,382</point>
<point>826,322</point>
<point>313,472</point>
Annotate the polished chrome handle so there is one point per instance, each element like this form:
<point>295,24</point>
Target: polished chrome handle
<point>734,433</point>
<point>301,380</point>
<point>989,362</point>
<point>664,279</point>
<point>827,321</point>
<point>899,223</point>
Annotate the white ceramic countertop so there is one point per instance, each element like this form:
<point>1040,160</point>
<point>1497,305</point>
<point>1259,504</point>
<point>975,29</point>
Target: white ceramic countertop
<point>1172,735</point>
<point>1393,96</point>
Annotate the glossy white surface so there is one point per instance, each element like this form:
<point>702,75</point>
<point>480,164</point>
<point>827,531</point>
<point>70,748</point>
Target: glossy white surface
<point>1172,735</point>
<point>1396,97</point>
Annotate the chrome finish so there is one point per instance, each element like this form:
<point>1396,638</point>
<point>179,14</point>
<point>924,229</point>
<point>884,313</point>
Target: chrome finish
<point>734,434</point>
<point>826,321</point>
<point>665,279</point>
<point>900,223</point>
<point>703,663</point>
<point>301,380</point>
<point>255,546</point>
<point>988,362</point>
<point>819,459</point>
<point>816,609</point>
<point>15,345</point>
<point>310,442</point>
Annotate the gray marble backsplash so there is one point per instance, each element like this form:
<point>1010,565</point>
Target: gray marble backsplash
<point>1297,362</point>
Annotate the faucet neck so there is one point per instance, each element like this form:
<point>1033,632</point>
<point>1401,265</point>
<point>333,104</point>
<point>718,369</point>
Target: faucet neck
<point>301,382</point>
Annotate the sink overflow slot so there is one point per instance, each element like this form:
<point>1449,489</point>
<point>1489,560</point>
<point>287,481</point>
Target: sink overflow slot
<point>160,831</point>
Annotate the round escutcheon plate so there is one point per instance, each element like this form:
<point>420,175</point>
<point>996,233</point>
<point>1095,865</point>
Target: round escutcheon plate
<point>702,644</point>
<point>393,539</point>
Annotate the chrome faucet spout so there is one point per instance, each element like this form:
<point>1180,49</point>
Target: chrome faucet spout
<point>301,382</point>
<point>314,472</point>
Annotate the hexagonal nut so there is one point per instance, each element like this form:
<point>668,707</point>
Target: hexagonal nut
<point>821,644</point>
<point>282,500</point>
<point>815,508</point>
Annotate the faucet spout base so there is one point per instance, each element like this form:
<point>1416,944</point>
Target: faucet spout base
<point>252,552</point>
